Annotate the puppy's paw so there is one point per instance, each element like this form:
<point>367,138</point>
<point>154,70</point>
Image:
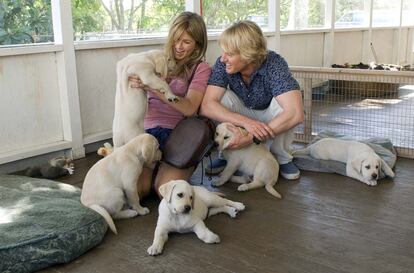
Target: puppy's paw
<point>239,206</point>
<point>212,238</point>
<point>154,250</point>
<point>143,211</point>
<point>70,168</point>
<point>105,150</point>
<point>170,96</point>
<point>243,187</point>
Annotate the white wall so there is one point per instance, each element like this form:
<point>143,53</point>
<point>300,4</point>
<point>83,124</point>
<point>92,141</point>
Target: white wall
<point>30,114</point>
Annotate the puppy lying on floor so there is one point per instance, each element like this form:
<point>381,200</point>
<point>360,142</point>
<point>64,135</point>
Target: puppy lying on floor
<point>255,160</point>
<point>184,208</point>
<point>112,182</point>
<point>54,168</point>
<point>362,163</point>
<point>131,103</point>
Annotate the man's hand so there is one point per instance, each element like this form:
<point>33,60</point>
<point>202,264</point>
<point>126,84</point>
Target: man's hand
<point>260,130</point>
<point>241,138</point>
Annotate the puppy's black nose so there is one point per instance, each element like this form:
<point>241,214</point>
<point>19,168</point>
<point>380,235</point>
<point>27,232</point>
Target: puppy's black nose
<point>374,176</point>
<point>187,209</point>
<point>215,144</point>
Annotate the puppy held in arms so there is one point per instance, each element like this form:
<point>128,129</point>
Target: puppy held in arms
<point>131,103</point>
<point>362,163</point>
<point>110,186</point>
<point>184,208</point>
<point>254,160</point>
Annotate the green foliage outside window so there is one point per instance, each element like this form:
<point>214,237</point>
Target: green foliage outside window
<point>25,21</point>
<point>220,14</point>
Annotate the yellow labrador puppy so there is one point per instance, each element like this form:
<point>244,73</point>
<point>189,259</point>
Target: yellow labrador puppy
<point>130,103</point>
<point>112,182</point>
<point>362,163</point>
<point>184,208</point>
<point>254,160</point>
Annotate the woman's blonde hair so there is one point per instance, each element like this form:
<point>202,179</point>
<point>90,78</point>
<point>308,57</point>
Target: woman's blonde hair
<point>245,38</point>
<point>194,25</point>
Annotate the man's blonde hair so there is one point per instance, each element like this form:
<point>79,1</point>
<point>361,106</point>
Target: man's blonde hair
<point>194,25</point>
<point>245,38</point>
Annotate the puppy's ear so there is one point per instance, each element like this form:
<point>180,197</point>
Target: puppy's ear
<point>357,164</point>
<point>193,194</point>
<point>161,65</point>
<point>166,190</point>
<point>387,170</point>
<point>148,151</point>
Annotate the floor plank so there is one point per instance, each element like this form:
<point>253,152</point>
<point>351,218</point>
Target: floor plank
<point>324,223</point>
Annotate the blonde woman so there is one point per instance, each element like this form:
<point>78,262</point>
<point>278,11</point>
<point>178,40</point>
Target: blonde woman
<point>187,44</point>
<point>253,88</point>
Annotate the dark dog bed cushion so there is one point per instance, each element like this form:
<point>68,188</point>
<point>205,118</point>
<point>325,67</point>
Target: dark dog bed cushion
<point>42,222</point>
<point>382,146</point>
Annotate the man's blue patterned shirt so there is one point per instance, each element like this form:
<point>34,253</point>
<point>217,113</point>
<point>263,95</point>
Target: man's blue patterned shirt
<point>270,80</point>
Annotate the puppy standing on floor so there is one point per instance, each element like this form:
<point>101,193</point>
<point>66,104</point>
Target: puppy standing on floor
<point>130,103</point>
<point>114,178</point>
<point>184,208</point>
<point>362,163</point>
<point>254,159</point>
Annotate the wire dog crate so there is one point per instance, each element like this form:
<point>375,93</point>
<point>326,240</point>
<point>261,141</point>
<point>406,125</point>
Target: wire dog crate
<point>361,104</point>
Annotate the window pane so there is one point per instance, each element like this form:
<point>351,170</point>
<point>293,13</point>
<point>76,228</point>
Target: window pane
<point>385,13</point>
<point>25,22</point>
<point>302,14</point>
<point>408,13</point>
<point>220,14</point>
<point>123,19</point>
<point>351,13</point>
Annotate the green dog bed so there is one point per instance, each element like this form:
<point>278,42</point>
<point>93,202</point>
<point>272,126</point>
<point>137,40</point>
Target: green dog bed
<point>42,222</point>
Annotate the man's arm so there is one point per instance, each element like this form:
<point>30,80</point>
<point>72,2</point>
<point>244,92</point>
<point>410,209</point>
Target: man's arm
<point>211,107</point>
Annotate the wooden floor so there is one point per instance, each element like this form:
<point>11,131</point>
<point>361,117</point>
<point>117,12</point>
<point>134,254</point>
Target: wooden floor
<point>324,223</point>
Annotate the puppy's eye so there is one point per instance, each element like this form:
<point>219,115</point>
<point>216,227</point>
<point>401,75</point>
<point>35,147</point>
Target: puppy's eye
<point>376,167</point>
<point>216,134</point>
<point>191,197</point>
<point>180,195</point>
<point>226,137</point>
<point>368,167</point>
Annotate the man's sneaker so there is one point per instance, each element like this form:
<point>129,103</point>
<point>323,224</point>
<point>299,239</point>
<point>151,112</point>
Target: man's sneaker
<point>289,171</point>
<point>216,167</point>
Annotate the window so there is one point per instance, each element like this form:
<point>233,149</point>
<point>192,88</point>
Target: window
<point>25,22</point>
<point>302,14</point>
<point>123,19</point>
<point>220,14</point>
<point>408,13</point>
<point>385,13</point>
<point>351,14</point>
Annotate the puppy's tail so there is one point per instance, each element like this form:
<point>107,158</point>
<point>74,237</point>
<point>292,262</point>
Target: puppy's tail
<point>304,151</point>
<point>104,213</point>
<point>272,191</point>
<point>105,150</point>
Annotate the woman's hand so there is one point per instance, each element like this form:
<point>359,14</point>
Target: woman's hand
<point>135,82</point>
<point>260,130</point>
<point>241,138</point>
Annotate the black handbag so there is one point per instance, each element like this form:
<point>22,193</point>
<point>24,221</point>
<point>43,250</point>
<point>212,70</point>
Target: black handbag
<point>190,141</point>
